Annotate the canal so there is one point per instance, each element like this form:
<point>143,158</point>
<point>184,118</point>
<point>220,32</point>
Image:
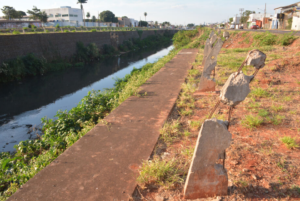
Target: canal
<point>24,103</point>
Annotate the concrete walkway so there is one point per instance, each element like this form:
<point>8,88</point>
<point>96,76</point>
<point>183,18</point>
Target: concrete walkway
<point>103,165</point>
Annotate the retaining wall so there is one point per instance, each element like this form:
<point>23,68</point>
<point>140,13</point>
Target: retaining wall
<point>49,45</point>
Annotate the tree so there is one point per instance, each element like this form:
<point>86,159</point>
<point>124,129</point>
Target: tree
<point>245,16</point>
<point>156,23</point>
<point>88,15</point>
<point>230,19</point>
<point>190,25</point>
<point>145,13</point>
<point>37,14</point>
<point>8,12</point>
<point>143,23</point>
<point>107,16</point>
<point>94,18</point>
<point>20,14</point>
<point>166,24</point>
<point>124,17</point>
<point>81,7</point>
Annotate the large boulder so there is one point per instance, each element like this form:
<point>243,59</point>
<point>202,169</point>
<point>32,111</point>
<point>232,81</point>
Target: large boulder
<point>236,88</point>
<point>205,177</point>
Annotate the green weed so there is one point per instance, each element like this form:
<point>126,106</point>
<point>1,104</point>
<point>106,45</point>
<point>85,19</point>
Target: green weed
<point>289,142</point>
<point>251,121</point>
<point>195,124</point>
<point>259,92</point>
<point>263,113</point>
<point>276,108</point>
<point>170,131</point>
<point>277,119</point>
<point>163,173</point>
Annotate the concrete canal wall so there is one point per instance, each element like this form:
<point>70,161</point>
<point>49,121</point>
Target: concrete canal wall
<point>50,45</point>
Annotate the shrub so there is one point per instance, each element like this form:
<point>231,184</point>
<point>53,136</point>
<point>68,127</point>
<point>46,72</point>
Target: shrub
<point>57,26</point>
<point>66,31</point>
<point>25,28</point>
<point>15,32</point>
<point>286,39</point>
<point>93,30</point>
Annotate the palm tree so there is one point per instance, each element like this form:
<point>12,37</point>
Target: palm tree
<point>145,13</point>
<point>81,2</point>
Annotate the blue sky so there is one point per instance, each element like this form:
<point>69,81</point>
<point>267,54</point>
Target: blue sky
<point>174,11</point>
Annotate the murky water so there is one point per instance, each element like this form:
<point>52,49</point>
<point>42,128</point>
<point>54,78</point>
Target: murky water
<point>24,103</point>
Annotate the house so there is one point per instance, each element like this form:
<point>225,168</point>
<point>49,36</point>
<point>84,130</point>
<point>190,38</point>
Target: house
<point>64,14</point>
<point>287,17</point>
<point>260,19</point>
<point>124,22</point>
<point>134,23</point>
<point>236,20</point>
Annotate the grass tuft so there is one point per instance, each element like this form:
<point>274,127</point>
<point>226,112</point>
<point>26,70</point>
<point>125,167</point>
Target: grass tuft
<point>289,142</point>
<point>163,173</point>
<point>251,121</point>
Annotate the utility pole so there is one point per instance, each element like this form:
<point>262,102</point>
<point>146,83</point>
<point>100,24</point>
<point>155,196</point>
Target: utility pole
<point>241,10</point>
<point>265,15</point>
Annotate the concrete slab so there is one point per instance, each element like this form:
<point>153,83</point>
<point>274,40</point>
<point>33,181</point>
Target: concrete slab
<point>103,165</point>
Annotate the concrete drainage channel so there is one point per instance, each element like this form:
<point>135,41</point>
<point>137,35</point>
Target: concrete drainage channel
<point>102,164</point>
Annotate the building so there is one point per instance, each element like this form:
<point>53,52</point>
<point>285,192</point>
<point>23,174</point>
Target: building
<point>64,14</point>
<point>236,20</point>
<point>134,23</point>
<point>260,19</point>
<point>124,22</point>
<point>287,17</point>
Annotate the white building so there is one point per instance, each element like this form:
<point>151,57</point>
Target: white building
<point>134,23</point>
<point>236,20</point>
<point>258,16</point>
<point>65,14</point>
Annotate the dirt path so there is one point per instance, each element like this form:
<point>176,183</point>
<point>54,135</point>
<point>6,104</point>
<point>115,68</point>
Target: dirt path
<point>103,164</point>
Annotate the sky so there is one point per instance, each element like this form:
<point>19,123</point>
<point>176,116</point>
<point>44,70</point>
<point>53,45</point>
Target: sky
<point>175,11</point>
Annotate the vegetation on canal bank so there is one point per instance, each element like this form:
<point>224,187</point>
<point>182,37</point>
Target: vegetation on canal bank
<point>33,155</point>
<point>31,65</point>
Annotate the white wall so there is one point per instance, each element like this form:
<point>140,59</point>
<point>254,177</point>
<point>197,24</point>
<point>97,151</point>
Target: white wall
<point>296,23</point>
<point>73,14</point>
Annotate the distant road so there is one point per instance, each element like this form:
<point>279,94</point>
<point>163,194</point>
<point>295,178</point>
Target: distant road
<point>264,30</point>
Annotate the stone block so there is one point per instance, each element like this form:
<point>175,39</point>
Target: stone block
<point>209,65</point>
<point>207,50</point>
<point>256,58</point>
<point>205,177</point>
<point>226,34</point>
<point>211,34</point>
<point>207,84</point>
<point>236,89</point>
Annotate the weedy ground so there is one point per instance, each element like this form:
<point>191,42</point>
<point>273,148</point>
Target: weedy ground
<point>263,161</point>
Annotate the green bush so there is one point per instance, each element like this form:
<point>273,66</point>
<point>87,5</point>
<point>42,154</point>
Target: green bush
<point>286,39</point>
<point>66,31</point>
<point>93,30</point>
<point>57,26</point>
<point>15,32</point>
<point>86,53</point>
<point>265,39</point>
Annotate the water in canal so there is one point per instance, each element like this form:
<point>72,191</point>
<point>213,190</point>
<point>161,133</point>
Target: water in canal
<point>24,103</point>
